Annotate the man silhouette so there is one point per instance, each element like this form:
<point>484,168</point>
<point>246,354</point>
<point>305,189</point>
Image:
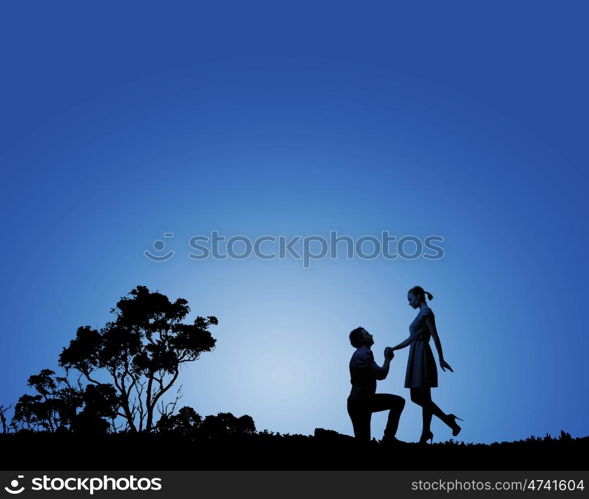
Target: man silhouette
<point>363,400</point>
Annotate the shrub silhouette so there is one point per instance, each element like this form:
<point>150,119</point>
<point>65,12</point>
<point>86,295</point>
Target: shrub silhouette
<point>225,424</point>
<point>188,422</point>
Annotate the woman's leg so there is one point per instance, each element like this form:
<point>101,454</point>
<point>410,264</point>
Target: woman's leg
<point>427,420</point>
<point>419,396</point>
<point>422,396</point>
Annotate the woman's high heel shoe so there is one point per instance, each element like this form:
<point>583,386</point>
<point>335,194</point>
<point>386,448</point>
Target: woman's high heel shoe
<point>451,422</point>
<point>425,437</point>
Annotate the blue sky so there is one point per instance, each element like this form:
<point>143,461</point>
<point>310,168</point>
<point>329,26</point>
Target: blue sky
<point>122,122</point>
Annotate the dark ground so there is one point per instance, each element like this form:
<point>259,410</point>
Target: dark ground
<point>265,451</point>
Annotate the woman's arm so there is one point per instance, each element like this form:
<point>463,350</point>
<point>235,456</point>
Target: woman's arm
<point>406,342</point>
<point>430,322</point>
<point>431,325</point>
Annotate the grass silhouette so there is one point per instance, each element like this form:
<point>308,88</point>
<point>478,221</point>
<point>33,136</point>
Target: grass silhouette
<point>326,450</point>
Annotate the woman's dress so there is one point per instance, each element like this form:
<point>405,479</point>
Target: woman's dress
<point>421,365</point>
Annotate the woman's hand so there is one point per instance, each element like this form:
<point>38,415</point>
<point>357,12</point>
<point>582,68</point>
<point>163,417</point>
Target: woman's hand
<point>444,365</point>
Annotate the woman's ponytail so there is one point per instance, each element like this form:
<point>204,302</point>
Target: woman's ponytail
<point>421,293</point>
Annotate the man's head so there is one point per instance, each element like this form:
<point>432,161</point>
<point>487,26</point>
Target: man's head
<point>360,337</point>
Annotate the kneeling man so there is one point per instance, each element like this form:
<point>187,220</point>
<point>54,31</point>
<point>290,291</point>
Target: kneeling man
<point>363,400</point>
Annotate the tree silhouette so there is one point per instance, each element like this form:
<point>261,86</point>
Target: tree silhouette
<point>53,406</point>
<point>3,420</point>
<point>140,352</point>
<point>56,404</point>
<point>100,404</point>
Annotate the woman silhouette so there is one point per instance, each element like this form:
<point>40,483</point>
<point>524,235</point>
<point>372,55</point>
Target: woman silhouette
<point>422,374</point>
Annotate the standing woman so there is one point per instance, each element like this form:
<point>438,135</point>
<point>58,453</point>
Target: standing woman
<point>422,374</point>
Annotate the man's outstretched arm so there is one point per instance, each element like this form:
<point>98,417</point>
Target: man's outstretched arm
<point>377,371</point>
